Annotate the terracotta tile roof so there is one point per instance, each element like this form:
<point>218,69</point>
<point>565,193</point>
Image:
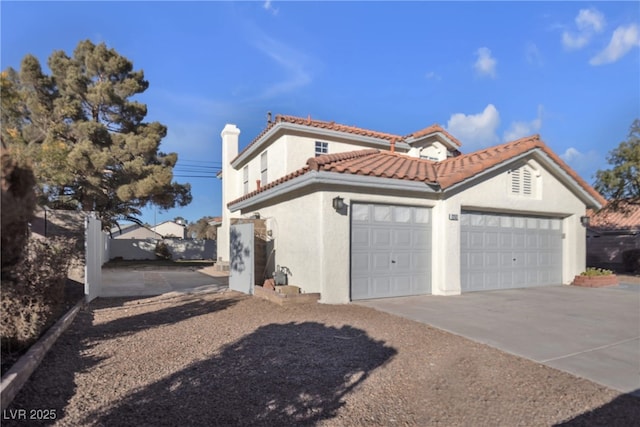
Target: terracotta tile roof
<point>433,129</point>
<point>337,127</point>
<point>385,164</point>
<point>377,163</point>
<point>456,169</point>
<point>320,124</point>
<point>627,218</point>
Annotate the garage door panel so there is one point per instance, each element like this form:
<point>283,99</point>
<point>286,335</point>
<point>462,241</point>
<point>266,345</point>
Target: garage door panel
<point>529,251</point>
<point>360,238</point>
<point>402,239</point>
<point>402,285</point>
<point>491,259</point>
<point>381,238</point>
<point>476,261</point>
<point>359,287</point>
<point>360,262</point>
<point>491,240</point>
<point>381,285</point>
<point>381,262</point>
<point>390,251</point>
<point>402,261</point>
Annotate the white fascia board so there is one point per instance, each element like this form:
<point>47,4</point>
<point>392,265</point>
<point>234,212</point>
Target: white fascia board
<point>442,138</point>
<point>315,132</point>
<point>543,158</point>
<point>334,179</point>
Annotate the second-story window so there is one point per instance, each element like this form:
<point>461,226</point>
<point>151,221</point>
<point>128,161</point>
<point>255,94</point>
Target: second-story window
<point>263,168</point>
<point>321,148</point>
<point>245,179</point>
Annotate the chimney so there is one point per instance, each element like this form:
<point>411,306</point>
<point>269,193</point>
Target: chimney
<point>393,145</point>
<point>258,184</point>
<point>268,117</point>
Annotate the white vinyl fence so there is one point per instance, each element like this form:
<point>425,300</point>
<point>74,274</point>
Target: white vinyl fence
<point>95,255</point>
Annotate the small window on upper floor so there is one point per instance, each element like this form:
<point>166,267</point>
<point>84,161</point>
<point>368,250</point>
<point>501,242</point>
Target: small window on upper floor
<point>245,180</point>
<point>263,168</point>
<point>523,181</point>
<point>321,148</point>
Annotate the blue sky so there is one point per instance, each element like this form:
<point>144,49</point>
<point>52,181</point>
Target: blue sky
<point>486,71</point>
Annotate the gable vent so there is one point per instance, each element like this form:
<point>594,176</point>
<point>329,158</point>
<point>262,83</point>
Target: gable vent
<point>527,184</point>
<point>515,181</point>
<point>522,181</point>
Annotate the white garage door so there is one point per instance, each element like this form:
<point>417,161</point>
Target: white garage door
<point>500,251</point>
<point>390,251</point>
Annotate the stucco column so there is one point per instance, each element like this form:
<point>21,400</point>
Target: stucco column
<point>445,278</point>
<point>230,136</point>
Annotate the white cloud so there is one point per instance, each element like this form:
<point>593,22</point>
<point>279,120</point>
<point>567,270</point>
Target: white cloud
<point>268,6</point>
<point>520,129</point>
<point>533,55</point>
<point>583,163</point>
<point>475,130</point>
<point>624,39</point>
<point>432,75</point>
<point>588,22</point>
<point>293,63</point>
<point>485,65</point>
<point>574,42</point>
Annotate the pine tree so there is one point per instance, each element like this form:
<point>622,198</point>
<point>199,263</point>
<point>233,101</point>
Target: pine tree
<point>86,135</point>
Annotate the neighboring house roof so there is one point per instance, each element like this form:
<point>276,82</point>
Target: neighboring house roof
<point>447,173</point>
<point>626,218</point>
<point>215,221</point>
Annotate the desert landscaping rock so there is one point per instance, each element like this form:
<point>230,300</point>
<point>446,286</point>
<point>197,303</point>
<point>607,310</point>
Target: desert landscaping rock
<point>229,359</point>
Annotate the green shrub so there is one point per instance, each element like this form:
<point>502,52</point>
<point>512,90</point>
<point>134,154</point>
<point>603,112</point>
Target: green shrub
<point>631,260</point>
<point>33,295</point>
<point>162,250</point>
<point>593,271</point>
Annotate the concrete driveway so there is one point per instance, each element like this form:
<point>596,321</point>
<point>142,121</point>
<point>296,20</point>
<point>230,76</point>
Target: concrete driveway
<point>588,332</point>
<point>149,281</point>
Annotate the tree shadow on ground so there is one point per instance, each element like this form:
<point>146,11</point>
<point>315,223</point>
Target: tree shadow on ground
<point>53,385</point>
<point>280,374</point>
<point>624,410</point>
<point>181,309</point>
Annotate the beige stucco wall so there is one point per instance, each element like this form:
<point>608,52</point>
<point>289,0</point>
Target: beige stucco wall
<point>286,154</point>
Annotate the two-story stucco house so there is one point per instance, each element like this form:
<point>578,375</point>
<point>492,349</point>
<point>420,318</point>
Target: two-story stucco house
<point>358,214</point>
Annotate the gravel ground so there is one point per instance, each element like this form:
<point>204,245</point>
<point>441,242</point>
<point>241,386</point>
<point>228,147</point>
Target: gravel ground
<point>230,359</point>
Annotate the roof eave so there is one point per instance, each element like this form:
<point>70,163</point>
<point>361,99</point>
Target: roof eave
<point>544,158</point>
<point>334,179</point>
<point>284,126</point>
<point>442,138</point>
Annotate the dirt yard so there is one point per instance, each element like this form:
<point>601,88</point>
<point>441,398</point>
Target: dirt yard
<point>228,359</point>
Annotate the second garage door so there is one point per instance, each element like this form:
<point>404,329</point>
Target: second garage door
<point>500,251</point>
<point>390,251</point>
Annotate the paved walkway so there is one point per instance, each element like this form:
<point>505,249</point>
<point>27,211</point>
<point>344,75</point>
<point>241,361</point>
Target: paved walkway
<point>591,333</point>
<point>148,281</point>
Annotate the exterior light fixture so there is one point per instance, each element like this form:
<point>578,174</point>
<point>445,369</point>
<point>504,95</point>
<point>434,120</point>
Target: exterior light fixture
<point>338,203</point>
<point>584,220</point>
